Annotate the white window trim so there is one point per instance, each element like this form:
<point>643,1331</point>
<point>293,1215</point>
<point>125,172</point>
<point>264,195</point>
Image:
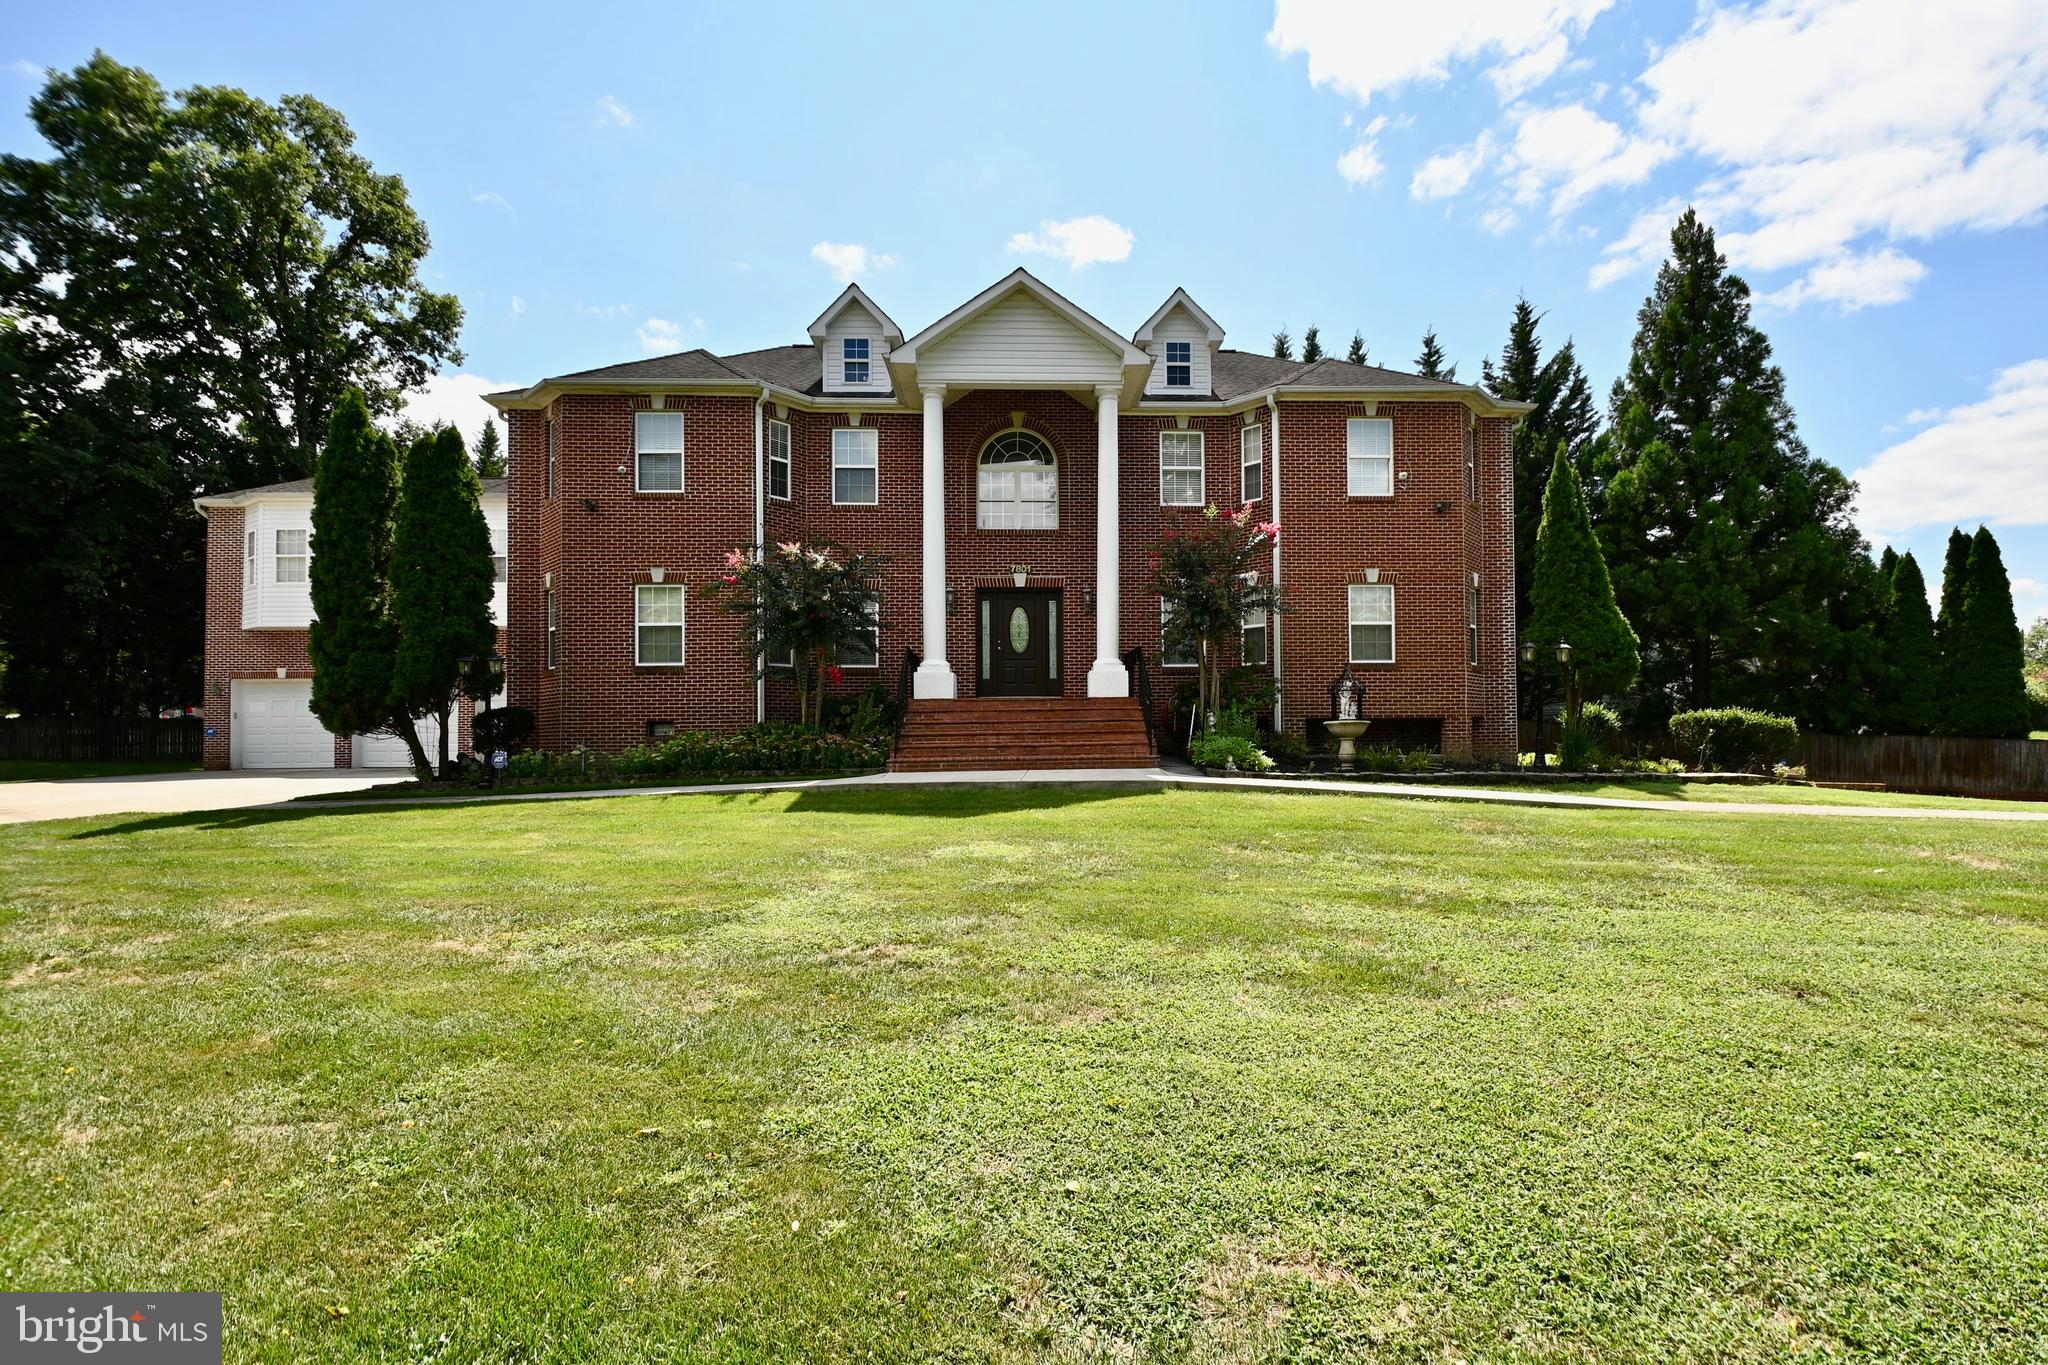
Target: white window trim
<point>1353,424</point>
<point>866,358</point>
<point>871,436</point>
<point>1393,615</point>
<point>1472,459</point>
<point>1472,606</point>
<point>875,615</point>
<point>788,463</point>
<point>249,561</point>
<point>681,453</point>
<point>1165,662</point>
<point>554,458</point>
<point>982,467</point>
<point>682,627</point>
<point>1255,436</point>
<point>554,630</point>
<point>1201,468</point>
<point>1169,362</point>
<point>303,556</point>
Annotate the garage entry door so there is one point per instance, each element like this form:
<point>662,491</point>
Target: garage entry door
<point>274,726</point>
<point>388,751</point>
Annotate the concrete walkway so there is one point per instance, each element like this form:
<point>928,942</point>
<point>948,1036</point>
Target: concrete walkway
<point>1154,779</point>
<point>171,793</point>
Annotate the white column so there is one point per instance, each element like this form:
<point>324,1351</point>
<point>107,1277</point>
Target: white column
<point>1107,676</point>
<point>934,678</point>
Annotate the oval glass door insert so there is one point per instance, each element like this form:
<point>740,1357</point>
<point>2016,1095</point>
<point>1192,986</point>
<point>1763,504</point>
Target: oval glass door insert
<point>1020,630</point>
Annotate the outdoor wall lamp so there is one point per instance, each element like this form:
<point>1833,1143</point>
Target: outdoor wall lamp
<point>1088,600</point>
<point>952,599</point>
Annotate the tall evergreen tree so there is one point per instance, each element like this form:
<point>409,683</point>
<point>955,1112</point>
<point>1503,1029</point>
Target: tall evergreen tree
<point>1430,364</point>
<point>1311,345</point>
<point>490,452</point>
<point>1955,587</point>
<point>1563,415</point>
<point>1356,355</point>
<point>1913,672</point>
<point>1731,546</point>
<point>1888,564</point>
<point>441,578</point>
<point>353,640</point>
<point>1283,345</point>
<point>1572,599</point>
<point>1987,668</point>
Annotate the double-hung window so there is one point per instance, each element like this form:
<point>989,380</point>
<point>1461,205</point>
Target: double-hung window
<point>778,460</point>
<point>868,653</point>
<point>658,452</point>
<point>1180,364</point>
<point>291,556</point>
<point>554,629</point>
<point>497,568</point>
<point>658,623</point>
<point>1178,655</point>
<point>1472,621</point>
<point>1369,457</point>
<point>249,562</point>
<point>1180,469</point>
<point>856,462</point>
<point>1250,457</point>
<point>1252,644</point>
<point>853,360</point>
<point>1372,623</point>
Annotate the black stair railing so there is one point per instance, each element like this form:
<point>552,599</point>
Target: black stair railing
<point>905,680</point>
<point>1141,687</point>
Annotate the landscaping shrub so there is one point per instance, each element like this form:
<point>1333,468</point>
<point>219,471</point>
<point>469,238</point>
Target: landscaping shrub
<point>1218,750</point>
<point>776,747</point>
<point>1284,750</point>
<point>1384,758</point>
<point>862,715</point>
<point>1601,727</point>
<point>1576,751</point>
<point>1732,739</point>
<point>502,727</point>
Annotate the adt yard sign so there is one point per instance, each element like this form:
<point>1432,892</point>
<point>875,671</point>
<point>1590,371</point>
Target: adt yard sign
<point>499,758</point>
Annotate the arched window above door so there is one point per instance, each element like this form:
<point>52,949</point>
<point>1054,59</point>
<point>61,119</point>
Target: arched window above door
<point>1018,487</point>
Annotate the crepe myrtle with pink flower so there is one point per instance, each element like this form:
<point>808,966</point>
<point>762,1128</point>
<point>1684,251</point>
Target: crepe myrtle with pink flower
<point>1211,572</point>
<point>803,601</point>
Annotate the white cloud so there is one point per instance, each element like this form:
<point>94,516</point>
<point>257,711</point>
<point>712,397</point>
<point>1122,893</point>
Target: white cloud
<point>1568,153</point>
<point>1361,165</point>
<point>1499,219</point>
<point>1448,173</point>
<point>848,261</point>
<point>457,400</point>
<point>605,310</point>
<point>1366,50</point>
<point>491,197</point>
<point>1639,247</point>
<point>518,305</point>
<point>1837,128</point>
<point>659,336</point>
<point>612,114</point>
<point>24,67</point>
<point>1079,242</point>
<point>1853,282</point>
<point>1979,462</point>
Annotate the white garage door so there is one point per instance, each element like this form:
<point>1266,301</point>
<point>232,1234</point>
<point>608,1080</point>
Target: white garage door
<point>388,751</point>
<point>275,726</point>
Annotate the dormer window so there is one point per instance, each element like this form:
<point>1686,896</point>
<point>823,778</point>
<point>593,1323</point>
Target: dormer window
<point>853,355</point>
<point>1180,364</point>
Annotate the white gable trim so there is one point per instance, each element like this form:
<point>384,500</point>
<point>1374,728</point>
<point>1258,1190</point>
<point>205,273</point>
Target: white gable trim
<point>1022,279</point>
<point>1179,299</point>
<point>853,294</point>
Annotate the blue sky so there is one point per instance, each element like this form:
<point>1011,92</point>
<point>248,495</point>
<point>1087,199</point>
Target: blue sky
<point>618,181</point>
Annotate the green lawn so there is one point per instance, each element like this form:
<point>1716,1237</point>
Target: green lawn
<point>1777,795</point>
<point>1030,1075</point>
<point>50,770</point>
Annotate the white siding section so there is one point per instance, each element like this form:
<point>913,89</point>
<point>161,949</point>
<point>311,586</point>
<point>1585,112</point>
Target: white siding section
<point>494,517</point>
<point>855,321</point>
<point>1019,340</point>
<point>269,604</point>
<point>1179,325</point>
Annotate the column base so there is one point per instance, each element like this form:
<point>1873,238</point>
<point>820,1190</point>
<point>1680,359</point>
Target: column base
<point>1109,678</point>
<point>934,681</point>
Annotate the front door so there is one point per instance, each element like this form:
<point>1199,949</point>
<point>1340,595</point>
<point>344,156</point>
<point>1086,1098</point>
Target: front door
<point>1020,644</point>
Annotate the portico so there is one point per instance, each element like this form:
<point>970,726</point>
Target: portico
<point>1019,335</point>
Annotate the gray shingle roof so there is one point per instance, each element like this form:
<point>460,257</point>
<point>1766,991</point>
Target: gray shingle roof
<point>697,364</point>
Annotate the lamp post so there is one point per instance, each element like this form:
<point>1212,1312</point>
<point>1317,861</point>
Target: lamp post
<point>1539,697</point>
<point>483,676</point>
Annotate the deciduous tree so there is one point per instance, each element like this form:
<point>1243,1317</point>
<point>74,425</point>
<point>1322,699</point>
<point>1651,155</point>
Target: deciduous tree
<point>1208,572</point>
<point>803,602</point>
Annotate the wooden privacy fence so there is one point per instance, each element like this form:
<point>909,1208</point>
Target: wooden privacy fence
<point>1932,763</point>
<point>120,739</point>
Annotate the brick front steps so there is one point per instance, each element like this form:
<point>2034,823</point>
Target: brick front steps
<point>1012,733</point>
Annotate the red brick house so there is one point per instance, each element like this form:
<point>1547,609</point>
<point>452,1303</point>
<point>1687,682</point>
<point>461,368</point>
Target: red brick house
<point>1014,460</point>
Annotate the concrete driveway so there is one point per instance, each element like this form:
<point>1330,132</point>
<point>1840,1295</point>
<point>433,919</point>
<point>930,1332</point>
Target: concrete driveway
<point>163,793</point>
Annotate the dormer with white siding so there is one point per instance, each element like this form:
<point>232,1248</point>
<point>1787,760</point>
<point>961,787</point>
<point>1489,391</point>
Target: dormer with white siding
<point>854,339</point>
<point>1182,340</point>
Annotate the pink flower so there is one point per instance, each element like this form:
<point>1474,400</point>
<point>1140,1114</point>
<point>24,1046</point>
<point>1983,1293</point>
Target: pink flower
<point>834,674</point>
<point>734,559</point>
<point>1270,529</point>
<point>792,548</point>
<point>728,579</point>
